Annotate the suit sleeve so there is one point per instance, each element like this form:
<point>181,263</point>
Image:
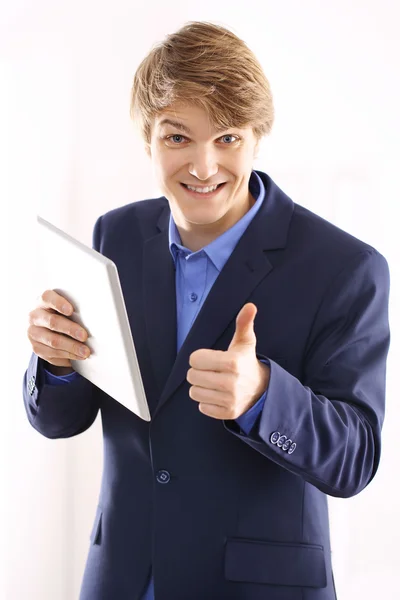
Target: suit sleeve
<point>60,411</point>
<point>326,428</point>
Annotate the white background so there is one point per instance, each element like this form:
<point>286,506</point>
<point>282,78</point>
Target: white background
<point>68,151</point>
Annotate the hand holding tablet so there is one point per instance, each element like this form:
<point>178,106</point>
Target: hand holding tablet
<point>89,281</point>
<point>55,338</point>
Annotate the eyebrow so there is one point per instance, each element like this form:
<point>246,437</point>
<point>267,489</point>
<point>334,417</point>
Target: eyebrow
<point>182,127</point>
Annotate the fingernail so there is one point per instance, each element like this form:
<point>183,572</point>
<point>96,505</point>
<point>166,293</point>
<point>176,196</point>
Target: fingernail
<point>83,351</point>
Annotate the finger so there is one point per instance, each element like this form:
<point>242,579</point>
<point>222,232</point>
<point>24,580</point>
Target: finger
<point>212,380</point>
<point>199,394</point>
<point>54,300</point>
<point>55,322</point>
<point>58,358</point>
<point>58,345</point>
<point>244,332</point>
<point>212,410</point>
<point>213,360</point>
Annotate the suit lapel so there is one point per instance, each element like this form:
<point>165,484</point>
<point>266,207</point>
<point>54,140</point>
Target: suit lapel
<point>247,266</point>
<point>160,303</point>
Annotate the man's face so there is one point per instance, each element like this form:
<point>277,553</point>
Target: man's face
<point>195,154</point>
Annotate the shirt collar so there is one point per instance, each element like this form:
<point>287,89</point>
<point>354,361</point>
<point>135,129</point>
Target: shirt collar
<point>222,247</point>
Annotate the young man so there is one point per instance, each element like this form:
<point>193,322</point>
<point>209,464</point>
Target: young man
<point>262,336</point>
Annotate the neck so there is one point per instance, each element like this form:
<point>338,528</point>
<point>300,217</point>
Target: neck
<point>196,237</point>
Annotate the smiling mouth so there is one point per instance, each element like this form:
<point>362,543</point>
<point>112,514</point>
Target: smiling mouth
<point>205,194</point>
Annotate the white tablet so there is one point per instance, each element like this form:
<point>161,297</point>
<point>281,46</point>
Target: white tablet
<point>91,283</point>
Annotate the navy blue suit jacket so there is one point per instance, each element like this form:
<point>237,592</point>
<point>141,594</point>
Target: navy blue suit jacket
<point>218,514</point>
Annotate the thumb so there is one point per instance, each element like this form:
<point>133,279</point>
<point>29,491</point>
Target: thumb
<point>244,333</point>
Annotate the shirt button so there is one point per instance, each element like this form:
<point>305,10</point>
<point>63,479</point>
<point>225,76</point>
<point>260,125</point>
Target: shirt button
<point>193,297</point>
<point>163,476</point>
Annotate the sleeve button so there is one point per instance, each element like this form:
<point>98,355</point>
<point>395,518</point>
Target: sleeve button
<point>281,441</point>
<point>275,437</point>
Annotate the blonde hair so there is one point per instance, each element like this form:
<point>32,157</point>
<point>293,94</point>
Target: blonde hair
<point>208,66</point>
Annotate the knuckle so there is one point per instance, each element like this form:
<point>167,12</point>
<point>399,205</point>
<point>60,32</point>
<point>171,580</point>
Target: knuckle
<point>54,342</point>
<point>232,365</point>
<point>52,321</point>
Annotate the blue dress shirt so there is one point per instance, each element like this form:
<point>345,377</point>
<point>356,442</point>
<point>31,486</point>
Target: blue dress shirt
<point>195,274</point>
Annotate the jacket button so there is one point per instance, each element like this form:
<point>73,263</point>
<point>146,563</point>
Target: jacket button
<point>286,444</point>
<point>281,441</point>
<point>275,437</point>
<point>292,448</point>
<point>163,476</point>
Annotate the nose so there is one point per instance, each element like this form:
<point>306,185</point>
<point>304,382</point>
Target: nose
<point>203,165</point>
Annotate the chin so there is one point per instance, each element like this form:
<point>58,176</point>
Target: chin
<point>203,217</point>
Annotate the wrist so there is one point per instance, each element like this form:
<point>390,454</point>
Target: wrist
<point>58,371</point>
<point>264,378</point>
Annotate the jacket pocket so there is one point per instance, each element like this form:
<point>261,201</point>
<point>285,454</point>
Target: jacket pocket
<point>95,536</point>
<point>275,563</point>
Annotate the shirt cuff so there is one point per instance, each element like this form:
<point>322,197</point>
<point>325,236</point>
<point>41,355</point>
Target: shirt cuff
<point>247,421</point>
<point>51,379</point>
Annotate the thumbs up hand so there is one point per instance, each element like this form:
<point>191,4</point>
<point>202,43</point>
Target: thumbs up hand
<point>227,383</point>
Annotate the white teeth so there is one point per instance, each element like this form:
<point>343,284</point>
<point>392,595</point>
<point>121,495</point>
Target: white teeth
<point>202,190</point>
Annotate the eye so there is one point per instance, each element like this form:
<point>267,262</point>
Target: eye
<point>229,135</point>
<point>176,135</point>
